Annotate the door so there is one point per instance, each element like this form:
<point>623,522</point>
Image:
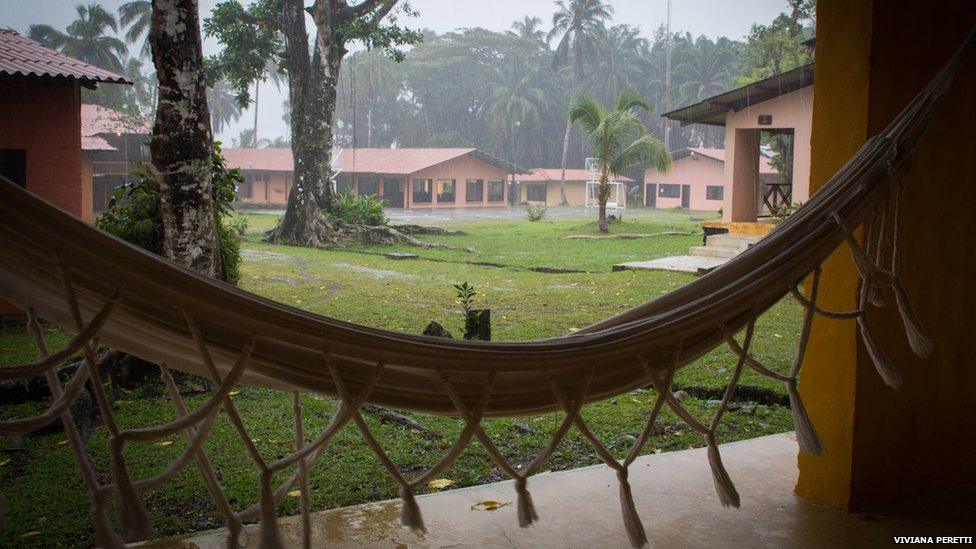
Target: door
<point>393,192</point>
<point>686,196</point>
<point>650,195</point>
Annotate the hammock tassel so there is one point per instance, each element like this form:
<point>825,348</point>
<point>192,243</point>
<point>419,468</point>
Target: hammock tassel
<point>727,493</point>
<point>526,510</point>
<point>105,535</point>
<point>806,434</point>
<point>270,536</point>
<point>632,521</point>
<point>919,341</point>
<point>410,514</point>
<point>887,371</point>
<point>131,511</point>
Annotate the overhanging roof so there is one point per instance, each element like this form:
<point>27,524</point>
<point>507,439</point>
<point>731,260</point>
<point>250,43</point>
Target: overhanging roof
<point>373,161</point>
<point>713,110</point>
<point>23,58</point>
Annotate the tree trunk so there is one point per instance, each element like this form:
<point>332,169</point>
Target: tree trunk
<point>369,126</point>
<point>562,180</point>
<point>254,137</point>
<point>602,194</point>
<point>182,141</point>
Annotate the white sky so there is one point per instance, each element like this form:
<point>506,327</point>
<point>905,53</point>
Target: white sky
<point>712,18</point>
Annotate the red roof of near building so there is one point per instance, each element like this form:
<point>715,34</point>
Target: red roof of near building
<point>555,174</point>
<point>719,154</point>
<point>23,57</point>
<point>97,120</point>
<point>379,161</point>
<point>95,143</point>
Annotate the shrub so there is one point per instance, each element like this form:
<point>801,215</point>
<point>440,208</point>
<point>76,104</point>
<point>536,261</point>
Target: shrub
<point>133,214</point>
<point>359,210</point>
<point>535,213</point>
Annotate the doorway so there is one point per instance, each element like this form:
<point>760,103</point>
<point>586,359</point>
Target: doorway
<point>650,195</point>
<point>393,190</point>
<point>686,196</point>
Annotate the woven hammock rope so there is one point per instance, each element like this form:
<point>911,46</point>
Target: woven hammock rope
<point>59,268</point>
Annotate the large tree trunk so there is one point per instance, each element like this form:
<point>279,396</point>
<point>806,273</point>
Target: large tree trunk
<point>182,142</point>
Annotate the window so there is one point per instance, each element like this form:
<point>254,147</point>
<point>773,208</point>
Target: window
<point>714,192</point>
<point>474,190</point>
<point>369,186</point>
<point>343,184</point>
<point>669,191</point>
<point>245,190</point>
<point>496,191</point>
<point>266,177</point>
<point>535,192</point>
<point>422,190</point>
<point>13,166</point>
<point>445,190</point>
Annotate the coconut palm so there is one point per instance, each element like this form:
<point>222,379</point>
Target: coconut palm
<point>375,79</point>
<point>529,28</point>
<point>136,16</point>
<point>622,54</point>
<point>580,24</point>
<point>516,100</point>
<point>618,139</point>
<point>85,38</point>
<point>224,107</point>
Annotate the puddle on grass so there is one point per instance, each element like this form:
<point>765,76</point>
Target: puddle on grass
<point>380,274</point>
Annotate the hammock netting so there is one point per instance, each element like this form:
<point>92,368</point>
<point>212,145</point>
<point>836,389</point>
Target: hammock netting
<point>58,268</point>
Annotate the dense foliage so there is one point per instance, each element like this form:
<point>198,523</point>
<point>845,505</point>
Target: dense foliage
<point>359,210</point>
<point>133,214</point>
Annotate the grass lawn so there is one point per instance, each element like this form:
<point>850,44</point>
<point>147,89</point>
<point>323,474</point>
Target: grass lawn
<point>45,497</point>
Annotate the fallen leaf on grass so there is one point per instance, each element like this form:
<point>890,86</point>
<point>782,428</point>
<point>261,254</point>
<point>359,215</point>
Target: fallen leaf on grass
<point>163,443</point>
<point>440,483</point>
<point>30,534</point>
<point>294,493</point>
<point>4,462</point>
<point>489,505</point>
<point>62,442</point>
<point>234,393</point>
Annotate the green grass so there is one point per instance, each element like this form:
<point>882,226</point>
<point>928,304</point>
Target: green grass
<point>43,487</point>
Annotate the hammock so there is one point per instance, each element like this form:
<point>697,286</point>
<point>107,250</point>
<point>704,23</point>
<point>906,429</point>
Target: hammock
<point>59,268</point>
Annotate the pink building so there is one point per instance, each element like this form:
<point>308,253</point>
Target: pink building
<point>696,180</point>
<point>781,104</point>
<point>404,178</point>
<point>541,186</point>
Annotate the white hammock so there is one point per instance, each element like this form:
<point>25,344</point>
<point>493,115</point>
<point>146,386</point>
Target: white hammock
<point>61,269</point>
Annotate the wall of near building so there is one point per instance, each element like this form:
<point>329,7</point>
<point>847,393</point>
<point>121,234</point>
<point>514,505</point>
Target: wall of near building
<point>274,192</point>
<point>699,172</point>
<point>882,444</point>
<point>460,170</point>
<point>792,110</point>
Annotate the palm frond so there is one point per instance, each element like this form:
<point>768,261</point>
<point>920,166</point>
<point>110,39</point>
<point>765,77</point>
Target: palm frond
<point>645,151</point>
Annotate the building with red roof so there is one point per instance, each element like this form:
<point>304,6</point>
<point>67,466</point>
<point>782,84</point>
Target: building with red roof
<point>114,144</point>
<point>403,178</point>
<point>696,180</point>
<point>541,186</point>
<point>41,133</point>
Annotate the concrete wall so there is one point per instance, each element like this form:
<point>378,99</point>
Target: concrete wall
<point>697,171</point>
<point>882,444</point>
<point>793,110</point>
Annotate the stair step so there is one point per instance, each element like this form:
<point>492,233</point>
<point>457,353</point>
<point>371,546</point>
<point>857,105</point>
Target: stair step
<point>713,251</point>
<point>734,242</point>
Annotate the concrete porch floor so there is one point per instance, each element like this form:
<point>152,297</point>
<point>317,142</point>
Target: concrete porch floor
<point>674,496</point>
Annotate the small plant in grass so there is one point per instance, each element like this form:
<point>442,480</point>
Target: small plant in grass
<point>535,212</point>
<point>359,210</point>
<point>465,293</point>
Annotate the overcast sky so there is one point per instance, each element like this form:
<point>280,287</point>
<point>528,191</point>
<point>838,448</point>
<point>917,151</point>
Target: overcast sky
<point>712,18</point>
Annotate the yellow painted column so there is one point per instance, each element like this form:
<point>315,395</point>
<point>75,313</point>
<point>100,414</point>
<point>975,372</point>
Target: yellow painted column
<point>872,58</point>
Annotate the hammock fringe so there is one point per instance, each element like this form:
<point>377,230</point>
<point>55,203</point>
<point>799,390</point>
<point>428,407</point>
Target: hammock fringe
<point>724,486</point>
<point>526,509</point>
<point>270,533</point>
<point>632,521</point>
<point>806,434</point>
<point>921,344</point>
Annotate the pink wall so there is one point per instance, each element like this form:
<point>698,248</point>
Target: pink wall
<point>793,110</point>
<point>460,170</point>
<point>695,170</point>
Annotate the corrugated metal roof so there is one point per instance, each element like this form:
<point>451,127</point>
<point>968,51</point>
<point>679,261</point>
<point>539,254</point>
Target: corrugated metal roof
<point>713,110</point>
<point>719,155</point>
<point>96,120</point>
<point>95,143</point>
<point>378,161</point>
<point>555,174</point>
<point>23,57</point>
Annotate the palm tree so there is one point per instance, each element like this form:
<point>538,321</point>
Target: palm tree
<point>375,79</point>
<point>85,38</point>
<point>580,22</point>
<point>224,107</point>
<point>623,53</point>
<point>619,140</point>
<point>280,142</point>
<point>137,16</point>
<point>705,71</point>
<point>516,101</point>
<point>529,29</point>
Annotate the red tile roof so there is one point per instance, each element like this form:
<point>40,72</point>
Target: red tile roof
<point>95,143</point>
<point>719,154</point>
<point>21,56</point>
<point>555,174</point>
<point>379,161</point>
<point>96,120</point>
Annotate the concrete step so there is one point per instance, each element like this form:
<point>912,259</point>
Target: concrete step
<point>734,242</point>
<point>713,251</point>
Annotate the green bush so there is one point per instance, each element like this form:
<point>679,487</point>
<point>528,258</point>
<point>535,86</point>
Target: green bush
<point>359,210</point>
<point>133,214</point>
<point>535,213</point>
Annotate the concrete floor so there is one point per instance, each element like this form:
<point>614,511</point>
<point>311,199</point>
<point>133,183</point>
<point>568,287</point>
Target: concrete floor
<point>674,496</point>
<point>680,263</point>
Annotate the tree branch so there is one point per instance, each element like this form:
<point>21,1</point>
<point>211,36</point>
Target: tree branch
<point>351,12</point>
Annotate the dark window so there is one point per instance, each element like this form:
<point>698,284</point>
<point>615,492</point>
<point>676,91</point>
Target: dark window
<point>715,192</point>
<point>474,190</point>
<point>535,192</point>
<point>13,166</point>
<point>369,186</point>
<point>422,190</point>
<point>496,191</point>
<point>445,190</point>
<point>245,190</point>
<point>266,177</point>
<point>343,184</point>
<point>669,191</point>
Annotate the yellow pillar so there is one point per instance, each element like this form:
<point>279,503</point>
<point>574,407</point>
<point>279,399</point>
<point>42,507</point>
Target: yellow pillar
<point>872,58</point>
